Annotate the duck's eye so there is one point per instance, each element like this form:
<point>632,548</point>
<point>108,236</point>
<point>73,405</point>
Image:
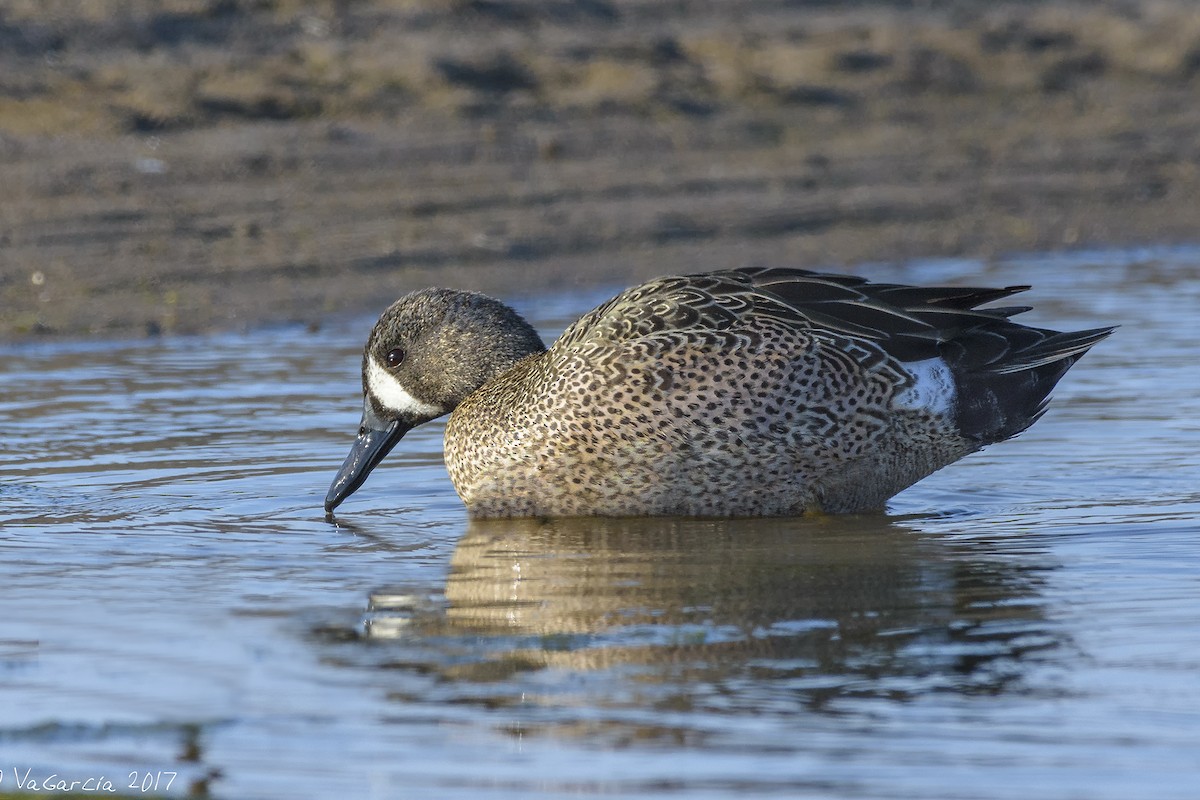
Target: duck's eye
<point>395,357</point>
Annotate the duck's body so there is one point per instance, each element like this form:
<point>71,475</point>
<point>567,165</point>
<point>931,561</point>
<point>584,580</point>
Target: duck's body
<point>746,392</point>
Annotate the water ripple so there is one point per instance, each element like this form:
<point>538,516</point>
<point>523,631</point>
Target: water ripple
<point>1019,623</point>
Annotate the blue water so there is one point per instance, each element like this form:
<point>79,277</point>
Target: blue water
<point>1024,624</point>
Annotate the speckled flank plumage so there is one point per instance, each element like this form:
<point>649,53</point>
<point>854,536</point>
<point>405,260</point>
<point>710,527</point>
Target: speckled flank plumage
<point>743,392</point>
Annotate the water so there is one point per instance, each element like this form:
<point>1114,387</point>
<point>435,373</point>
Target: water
<point>1023,624</point>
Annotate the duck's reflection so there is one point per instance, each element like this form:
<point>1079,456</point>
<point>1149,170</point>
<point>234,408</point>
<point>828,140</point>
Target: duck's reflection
<point>834,606</point>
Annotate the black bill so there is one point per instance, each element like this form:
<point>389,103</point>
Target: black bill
<point>375,440</point>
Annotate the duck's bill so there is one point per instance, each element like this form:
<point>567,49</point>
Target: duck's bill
<point>374,441</point>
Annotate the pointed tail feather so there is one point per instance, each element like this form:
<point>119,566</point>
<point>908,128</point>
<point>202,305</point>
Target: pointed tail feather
<point>1054,348</point>
<point>1004,398</point>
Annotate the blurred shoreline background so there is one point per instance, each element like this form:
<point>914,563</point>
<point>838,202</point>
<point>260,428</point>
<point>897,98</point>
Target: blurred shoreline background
<point>178,166</point>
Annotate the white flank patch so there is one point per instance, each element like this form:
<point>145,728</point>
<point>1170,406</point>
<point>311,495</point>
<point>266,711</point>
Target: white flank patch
<point>932,389</point>
<point>384,387</point>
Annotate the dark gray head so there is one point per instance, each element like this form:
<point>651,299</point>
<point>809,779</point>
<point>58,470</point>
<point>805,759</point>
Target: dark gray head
<point>425,355</point>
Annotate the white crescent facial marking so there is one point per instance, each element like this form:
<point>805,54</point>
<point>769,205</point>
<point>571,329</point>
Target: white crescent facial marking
<point>384,387</point>
<point>932,389</point>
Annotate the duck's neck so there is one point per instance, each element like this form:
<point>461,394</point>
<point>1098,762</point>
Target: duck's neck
<point>514,356</point>
<point>479,347</point>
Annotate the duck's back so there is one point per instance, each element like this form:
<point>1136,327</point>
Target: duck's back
<point>752,392</point>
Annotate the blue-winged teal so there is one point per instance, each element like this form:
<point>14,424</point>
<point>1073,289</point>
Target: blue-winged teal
<point>747,392</point>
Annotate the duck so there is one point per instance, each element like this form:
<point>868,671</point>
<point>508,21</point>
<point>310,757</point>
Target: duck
<point>749,392</point>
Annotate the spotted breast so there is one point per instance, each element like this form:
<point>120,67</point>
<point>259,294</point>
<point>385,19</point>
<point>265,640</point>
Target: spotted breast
<point>744,392</point>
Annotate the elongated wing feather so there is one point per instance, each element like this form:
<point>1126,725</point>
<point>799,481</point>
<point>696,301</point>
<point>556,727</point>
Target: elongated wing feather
<point>910,323</point>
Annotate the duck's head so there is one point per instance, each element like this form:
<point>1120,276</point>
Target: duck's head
<point>426,353</point>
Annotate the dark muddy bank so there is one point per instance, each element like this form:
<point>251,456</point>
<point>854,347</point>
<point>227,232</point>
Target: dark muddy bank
<point>199,164</point>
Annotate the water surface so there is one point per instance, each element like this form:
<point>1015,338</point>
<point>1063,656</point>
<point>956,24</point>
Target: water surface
<point>1022,624</point>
